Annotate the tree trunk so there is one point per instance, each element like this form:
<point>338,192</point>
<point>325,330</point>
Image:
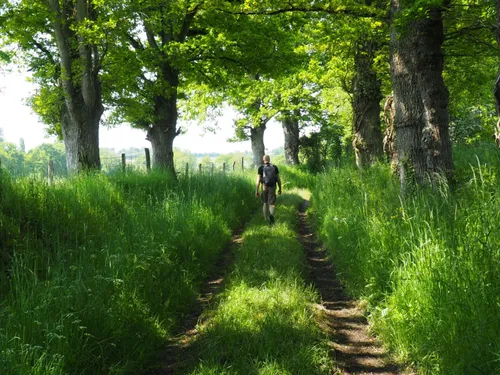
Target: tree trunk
<point>290,124</point>
<point>80,66</point>
<point>435,97</point>
<point>497,81</point>
<point>81,141</point>
<point>367,140</point>
<point>257,139</point>
<point>163,132</point>
<point>420,98</point>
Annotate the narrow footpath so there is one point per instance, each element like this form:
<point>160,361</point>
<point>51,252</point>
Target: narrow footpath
<point>355,350</point>
<point>177,352</point>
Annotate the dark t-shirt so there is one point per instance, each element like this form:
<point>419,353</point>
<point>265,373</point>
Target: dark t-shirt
<point>261,171</point>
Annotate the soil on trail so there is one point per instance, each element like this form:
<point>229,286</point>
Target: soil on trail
<point>355,351</point>
<point>177,354</point>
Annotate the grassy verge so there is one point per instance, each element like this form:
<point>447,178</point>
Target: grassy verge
<point>297,177</point>
<point>264,323</point>
<point>97,271</point>
<point>429,265</point>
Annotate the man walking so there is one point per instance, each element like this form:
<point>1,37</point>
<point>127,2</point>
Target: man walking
<point>268,176</point>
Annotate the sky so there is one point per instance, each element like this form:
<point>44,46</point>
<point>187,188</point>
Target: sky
<point>18,121</point>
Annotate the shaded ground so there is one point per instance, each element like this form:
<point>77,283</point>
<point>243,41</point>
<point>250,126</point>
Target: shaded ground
<point>177,353</point>
<point>355,351</point>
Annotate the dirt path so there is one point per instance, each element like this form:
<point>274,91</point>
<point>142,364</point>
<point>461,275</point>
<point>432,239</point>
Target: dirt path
<point>177,354</point>
<point>354,349</point>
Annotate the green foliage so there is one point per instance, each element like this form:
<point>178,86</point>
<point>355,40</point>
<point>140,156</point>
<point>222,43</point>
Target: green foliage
<point>40,156</point>
<point>35,162</point>
<point>426,263</point>
<point>47,103</point>
<point>264,322</point>
<point>97,271</point>
<point>4,57</point>
<point>471,66</point>
<point>472,125</point>
<point>183,157</point>
<point>296,177</point>
<point>323,147</point>
<point>12,158</point>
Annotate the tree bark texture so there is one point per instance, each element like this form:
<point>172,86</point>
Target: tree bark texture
<point>257,140</point>
<point>163,131</point>
<point>497,81</point>
<point>81,142</point>
<point>389,142</point>
<point>420,98</point>
<point>80,66</point>
<point>367,139</point>
<point>290,124</point>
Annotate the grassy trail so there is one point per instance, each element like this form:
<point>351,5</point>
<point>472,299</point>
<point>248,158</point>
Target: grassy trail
<point>268,320</point>
<point>265,321</point>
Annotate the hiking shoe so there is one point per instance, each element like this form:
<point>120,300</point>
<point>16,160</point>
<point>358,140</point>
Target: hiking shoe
<point>271,219</point>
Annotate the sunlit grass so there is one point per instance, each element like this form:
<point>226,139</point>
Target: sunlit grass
<point>97,271</point>
<point>264,322</point>
<point>428,264</point>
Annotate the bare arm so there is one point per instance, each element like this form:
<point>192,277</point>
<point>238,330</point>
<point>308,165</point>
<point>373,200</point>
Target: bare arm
<point>278,179</point>
<point>257,184</point>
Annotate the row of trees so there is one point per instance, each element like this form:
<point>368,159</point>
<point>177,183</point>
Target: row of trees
<point>320,63</point>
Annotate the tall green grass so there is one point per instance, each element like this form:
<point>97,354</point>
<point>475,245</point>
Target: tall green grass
<point>264,322</point>
<point>97,271</point>
<point>428,264</point>
<point>297,177</point>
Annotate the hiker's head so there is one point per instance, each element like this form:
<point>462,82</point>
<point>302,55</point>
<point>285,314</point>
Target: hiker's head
<point>266,159</point>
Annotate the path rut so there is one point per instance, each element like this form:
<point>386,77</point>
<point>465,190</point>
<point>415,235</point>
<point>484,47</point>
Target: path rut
<point>355,351</point>
<point>177,353</point>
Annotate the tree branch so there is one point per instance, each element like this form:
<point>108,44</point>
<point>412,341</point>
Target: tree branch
<point>150,35</point>
<point>464,31</point>
<point>45,51</point>
<point>61,32</point>
<point>134,42</point>
<point>292,8</point>
<point>186,23</point>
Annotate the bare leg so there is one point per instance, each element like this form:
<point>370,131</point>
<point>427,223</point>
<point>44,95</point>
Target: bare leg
<point>264,210</point>
<point>271,214</point>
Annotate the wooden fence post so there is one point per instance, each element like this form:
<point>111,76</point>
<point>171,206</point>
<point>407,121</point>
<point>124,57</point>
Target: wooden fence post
<point>213,167</point>
<point>187,169</point>
<point>51,172</point>
<point>234,166</point>
<point>124,163</point>
<point>148,160</point>
<point>199,168</point>
<point>223,167</point>
<point>242,163</point>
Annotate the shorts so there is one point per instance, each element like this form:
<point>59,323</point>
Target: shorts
<point>268,195</point>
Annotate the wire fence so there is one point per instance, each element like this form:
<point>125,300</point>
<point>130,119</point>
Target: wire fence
<point>57,169</point>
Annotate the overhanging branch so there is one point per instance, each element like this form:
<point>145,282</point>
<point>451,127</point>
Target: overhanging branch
<point>289,9</point>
